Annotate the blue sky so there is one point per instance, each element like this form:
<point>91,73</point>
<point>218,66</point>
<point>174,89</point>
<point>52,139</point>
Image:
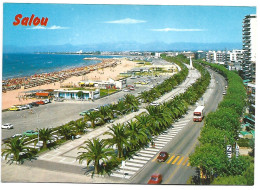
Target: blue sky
<point>92,24</point>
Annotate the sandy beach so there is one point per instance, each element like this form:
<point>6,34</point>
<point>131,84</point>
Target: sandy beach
<point>10,98</point>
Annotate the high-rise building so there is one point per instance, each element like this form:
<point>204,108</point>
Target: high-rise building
<point>249,47</point>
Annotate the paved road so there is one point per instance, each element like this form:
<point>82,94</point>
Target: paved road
<point>179,142</point>
<point>59,113</point>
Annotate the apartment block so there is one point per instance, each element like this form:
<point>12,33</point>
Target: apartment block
<point>249,47</point>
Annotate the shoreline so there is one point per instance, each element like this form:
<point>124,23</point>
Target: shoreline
<point>108,68</point>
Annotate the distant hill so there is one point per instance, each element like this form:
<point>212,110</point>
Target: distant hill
<point>125,46</point>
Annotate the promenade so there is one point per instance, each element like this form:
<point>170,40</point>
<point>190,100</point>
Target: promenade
<point>62,160</point>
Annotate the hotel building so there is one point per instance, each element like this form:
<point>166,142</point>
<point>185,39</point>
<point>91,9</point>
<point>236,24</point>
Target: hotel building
<point>249,47</point>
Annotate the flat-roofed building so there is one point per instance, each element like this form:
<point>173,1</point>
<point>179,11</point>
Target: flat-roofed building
<point>73,94</point>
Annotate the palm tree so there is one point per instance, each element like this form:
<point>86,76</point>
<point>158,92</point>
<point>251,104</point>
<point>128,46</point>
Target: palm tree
<point>158,118</point>
<point>144,122</point>
<point>66,131</point>
<point>137,134</point>
<point>120,107</point>
<point>119,137</point>
<point>15,148</point>
<point>131,102</point>
<point>106,112</point>
<point>145,96</point>
<point>95,151</point>
<point>80,126</point>
<point>44,136</point>
<point>92,116</point>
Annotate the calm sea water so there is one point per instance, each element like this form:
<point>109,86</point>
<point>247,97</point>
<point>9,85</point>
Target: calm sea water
<point>19,65</point>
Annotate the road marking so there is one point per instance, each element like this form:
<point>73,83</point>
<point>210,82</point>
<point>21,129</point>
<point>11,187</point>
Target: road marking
<point>138,161</point>
<point>152,149</point>
<point>148,152</point>
<point>133,164</point>
<point>175,159</point>
<point>180,161</point>
<point>141,158</point>
<point>185,161</point>
<point>144,155</point>
<point>170,159</point>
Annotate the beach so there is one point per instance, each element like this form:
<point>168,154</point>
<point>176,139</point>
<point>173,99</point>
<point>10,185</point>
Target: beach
<point>108,68</point>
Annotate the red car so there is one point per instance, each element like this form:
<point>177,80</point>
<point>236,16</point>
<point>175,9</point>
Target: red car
<point>162,157</point>
<point>155,179</point>
<point>40,102</point>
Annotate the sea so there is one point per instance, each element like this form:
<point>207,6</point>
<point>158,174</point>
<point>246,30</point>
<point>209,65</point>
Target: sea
<point>22,65</point>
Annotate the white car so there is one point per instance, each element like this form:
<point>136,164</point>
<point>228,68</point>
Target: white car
<point>20,107</point>
<point>17,135</point>
<point>7,126</point>
<point>29,106</point>
<point>154,104</point>
<point>126,90</point>
<point>96,109</point>
<point>24,107</point>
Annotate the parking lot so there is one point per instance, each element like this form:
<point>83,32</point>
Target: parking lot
<point>58,113</point>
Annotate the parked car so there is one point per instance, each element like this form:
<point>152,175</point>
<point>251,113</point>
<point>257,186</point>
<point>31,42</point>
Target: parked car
<point>96,109</point>
<point>83,113</point>
<point>7,126</point>
<point>155,179</point>
<point>46,101</point>
<point>28,106</point>
<point>59,100</point>
<point>126,90</point>
<point>13,108</point>
<point>154,104</point>
<point>131,88</point>
<point>162,157</point>
<point>20,107</point>
<point>40,102</point>
<point>224,93</point>
<point>17,135</point>
<point>34,104</point>
<point>30,133</point>
<point>24,107</point>
<point>86,112</point>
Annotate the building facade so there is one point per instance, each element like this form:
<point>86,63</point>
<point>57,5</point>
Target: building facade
<point>73,94</point>
<point>249,47</point>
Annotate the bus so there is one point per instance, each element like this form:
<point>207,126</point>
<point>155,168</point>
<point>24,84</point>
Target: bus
<point>198,113</point>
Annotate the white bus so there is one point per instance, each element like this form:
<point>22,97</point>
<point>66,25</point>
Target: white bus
<point>198,113</point>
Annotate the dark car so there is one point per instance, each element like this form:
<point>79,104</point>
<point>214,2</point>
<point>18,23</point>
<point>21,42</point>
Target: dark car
<point>155,179</point>
<point>34,104</point>
<point>162,157</point>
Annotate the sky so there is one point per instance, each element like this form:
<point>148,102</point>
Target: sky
<point>93,24</point>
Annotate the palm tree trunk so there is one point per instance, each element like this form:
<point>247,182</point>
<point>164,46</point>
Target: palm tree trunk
<point>119,151</point>
<point>96,165</point>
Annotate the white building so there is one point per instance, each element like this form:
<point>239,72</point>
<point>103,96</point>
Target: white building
<point>216,57</point>
<point>110,83</point>
<point>249,46</point>
<point>72,94</point>
<point>157,55</point>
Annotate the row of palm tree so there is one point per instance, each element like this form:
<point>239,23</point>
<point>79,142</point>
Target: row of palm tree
<point>129,137</point>
<point>168,84</point>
